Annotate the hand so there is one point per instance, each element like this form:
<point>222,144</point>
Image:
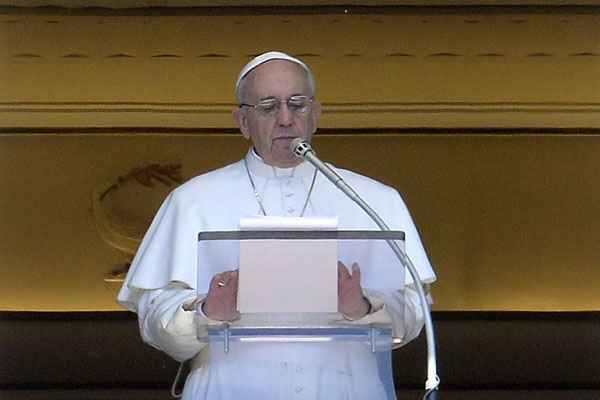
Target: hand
<point>221,302</point>
<point>351,301</point>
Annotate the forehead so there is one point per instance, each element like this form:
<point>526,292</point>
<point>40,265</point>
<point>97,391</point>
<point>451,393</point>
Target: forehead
<point>279,78</point>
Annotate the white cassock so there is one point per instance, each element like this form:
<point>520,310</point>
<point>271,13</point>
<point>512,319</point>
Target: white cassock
<point>163,276</point>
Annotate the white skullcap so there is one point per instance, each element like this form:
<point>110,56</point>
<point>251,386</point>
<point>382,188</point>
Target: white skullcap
<point>263,58</point>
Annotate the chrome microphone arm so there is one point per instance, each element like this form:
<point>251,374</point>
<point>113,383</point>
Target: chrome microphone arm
<point>302,149</point>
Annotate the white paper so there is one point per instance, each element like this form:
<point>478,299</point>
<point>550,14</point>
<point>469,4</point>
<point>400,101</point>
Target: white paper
<point>270,223</point>
<point>288,276</point>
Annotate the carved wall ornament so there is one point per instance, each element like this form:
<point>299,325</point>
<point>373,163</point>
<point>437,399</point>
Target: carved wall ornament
<point>124,210</point>
<point>118,274</point>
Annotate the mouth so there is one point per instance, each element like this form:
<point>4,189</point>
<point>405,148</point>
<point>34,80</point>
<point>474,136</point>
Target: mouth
<point>286,137</point>
<point>283,140</point>
<point>282,145</point>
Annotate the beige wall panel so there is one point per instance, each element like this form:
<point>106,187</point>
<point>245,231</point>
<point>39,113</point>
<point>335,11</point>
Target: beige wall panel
<point>368,82</point>
<point>389,70</point>
<point>528,93</point>
<point>509,221</point>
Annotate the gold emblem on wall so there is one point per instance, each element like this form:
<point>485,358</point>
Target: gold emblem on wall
<point>123,209</point>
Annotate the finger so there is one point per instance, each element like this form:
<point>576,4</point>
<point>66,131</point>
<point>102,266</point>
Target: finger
<point>343,271</point>
<point>214,282</point>
<point>355,271</point>
<point>225,279</point>
<point>234,281</point>
<point>229,295</point>
<point>229,276</point>
<point>234,293</point>
<point>219,284</point>
<point>224,282</point>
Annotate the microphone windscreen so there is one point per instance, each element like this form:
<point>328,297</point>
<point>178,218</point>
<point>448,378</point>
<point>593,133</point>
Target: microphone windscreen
<point>299,147</point>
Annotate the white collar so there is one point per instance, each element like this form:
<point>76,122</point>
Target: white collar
<point>257,166</point>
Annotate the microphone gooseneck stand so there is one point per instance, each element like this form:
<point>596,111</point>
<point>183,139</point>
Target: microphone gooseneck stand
<point>302,149</point>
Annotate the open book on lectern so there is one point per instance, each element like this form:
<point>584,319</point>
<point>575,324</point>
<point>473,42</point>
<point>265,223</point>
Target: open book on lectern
<point>297,271</point>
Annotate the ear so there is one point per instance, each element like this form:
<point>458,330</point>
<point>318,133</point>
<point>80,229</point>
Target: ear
<point>242,121</point>
<point>316,114</point>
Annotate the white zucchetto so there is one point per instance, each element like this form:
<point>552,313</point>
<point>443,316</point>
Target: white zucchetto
<point>263,58</point>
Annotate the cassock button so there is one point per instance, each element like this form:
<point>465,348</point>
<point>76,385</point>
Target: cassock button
<point>298,389</point>
<point>290,210</point>
<point>288,194</point>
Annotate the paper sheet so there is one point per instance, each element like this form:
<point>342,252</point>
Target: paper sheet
<point>259,223</point>
<point>288,276</point>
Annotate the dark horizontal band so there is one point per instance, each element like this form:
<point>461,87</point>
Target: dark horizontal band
<point>304,234</point>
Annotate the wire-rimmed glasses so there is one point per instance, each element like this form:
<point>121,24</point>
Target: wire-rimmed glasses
<point>269,107</point>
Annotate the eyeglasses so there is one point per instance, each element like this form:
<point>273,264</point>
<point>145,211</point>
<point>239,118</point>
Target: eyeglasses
<point>298,105</point>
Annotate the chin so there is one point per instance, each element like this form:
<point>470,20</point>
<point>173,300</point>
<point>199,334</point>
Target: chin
<point>288,162</point>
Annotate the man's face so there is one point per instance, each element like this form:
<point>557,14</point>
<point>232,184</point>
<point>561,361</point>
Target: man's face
<point>272,135</point>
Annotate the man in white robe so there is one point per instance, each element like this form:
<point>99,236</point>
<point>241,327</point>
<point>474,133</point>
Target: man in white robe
<point>277,104</point>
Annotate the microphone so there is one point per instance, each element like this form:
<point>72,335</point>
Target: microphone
<point>301,148</point>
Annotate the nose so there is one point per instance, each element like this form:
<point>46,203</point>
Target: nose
<point>284,116</point>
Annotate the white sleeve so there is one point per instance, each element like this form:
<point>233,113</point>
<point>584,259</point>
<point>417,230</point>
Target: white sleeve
<point>165,325</point>
<point>400,308</point>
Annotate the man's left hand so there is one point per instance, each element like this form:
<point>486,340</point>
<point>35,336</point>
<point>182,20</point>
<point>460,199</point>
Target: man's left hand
<point>351,301</point>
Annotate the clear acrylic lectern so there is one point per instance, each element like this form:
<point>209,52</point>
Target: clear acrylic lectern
<point>304,352</point>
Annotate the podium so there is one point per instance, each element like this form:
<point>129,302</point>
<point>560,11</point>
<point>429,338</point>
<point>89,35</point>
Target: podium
<point>303,354</point>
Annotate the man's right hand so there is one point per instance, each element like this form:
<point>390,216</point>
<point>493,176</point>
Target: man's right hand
<point>221,302</point>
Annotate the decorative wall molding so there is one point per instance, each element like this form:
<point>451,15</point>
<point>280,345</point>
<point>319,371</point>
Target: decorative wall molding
<point>124,208</point>
<point>148,6</point>
<point>583,53</point>
<point>376,68</point>
<point>335,115</point>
